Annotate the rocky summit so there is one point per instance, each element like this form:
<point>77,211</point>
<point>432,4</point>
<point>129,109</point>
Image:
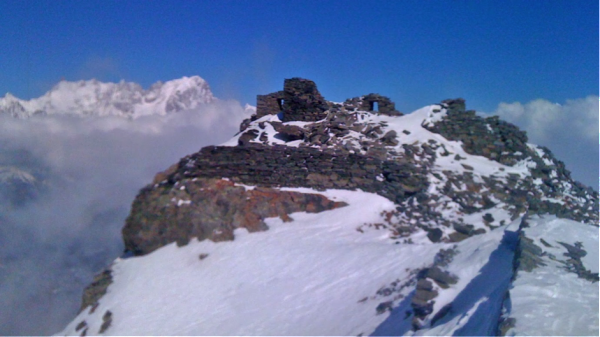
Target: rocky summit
<point>362,220</point>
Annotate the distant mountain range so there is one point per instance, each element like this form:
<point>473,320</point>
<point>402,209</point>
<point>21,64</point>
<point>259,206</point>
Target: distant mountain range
<point>126,99</point>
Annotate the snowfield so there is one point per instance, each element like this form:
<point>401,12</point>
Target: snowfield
<point>318,275</point>
<point>281,281</point>
<point>548,301</point>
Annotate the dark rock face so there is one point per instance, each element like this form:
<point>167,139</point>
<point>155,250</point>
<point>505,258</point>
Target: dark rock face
<point>208,209</point>
<point>425,294</point>
<point>573,264</point>
<point>385,105</point>
<point>96,290</point>
<point>528,255</point>
<point>106,321</point>
<point>422,302</point>
<point>246,137</point>
<point>435,234</point>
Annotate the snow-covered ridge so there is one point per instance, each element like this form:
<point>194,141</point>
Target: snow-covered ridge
<point>126,99</point>
<point>433,258</point>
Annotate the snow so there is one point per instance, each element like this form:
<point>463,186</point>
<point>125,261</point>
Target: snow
<point>483,266</point>
<point>548,300</point>
<point>183,202</point>
<point>281,281</point>
<point>427,115</point>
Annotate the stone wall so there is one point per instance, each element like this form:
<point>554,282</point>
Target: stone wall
<point>269,104</point>
<point>302,101</point>
<point>278,165</point>
<point>385,105</point>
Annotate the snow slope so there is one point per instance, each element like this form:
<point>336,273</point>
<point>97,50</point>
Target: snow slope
<point>318,275</point>
<point>276,282</point>
<point>549,301</point>
<point>125,99</point>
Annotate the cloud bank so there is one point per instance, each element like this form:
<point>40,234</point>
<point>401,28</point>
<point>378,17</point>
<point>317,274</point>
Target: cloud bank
<point>569,130</point>
<point>88,172</point>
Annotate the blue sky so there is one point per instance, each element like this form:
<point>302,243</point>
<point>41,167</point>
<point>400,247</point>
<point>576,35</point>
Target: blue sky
<point>415,52</point>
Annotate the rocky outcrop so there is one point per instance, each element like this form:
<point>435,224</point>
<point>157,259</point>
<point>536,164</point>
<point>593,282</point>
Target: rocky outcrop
<point>429,281</point>
<point>208,208</point>
<point>574,264</point>
<point>96,290</point>
<point>489,137</point>
<point>288,133</point>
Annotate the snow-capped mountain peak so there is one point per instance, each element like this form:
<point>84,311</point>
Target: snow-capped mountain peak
<point>126,99</point>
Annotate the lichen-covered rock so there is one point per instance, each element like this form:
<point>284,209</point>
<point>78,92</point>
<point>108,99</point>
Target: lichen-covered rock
<point>208,208</point>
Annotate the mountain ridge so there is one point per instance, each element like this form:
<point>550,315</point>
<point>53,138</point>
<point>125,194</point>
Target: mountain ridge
<point>125,99</point>
<point>454,189</point>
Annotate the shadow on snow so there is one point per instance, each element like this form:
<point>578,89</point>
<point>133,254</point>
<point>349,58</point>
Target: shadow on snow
<point>491,283</point>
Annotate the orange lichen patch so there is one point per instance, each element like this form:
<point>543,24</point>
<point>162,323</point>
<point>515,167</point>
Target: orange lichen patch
<point>222,183</point>
<point>210,209</point>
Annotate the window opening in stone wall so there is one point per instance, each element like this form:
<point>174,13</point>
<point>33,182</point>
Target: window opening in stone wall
<point>374,106</point>
<point>280,104</point>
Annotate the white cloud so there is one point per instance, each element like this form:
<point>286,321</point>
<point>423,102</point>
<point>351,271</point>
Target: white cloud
<point>568,129</point>
<point>51,246</point>
<point>544,119</point>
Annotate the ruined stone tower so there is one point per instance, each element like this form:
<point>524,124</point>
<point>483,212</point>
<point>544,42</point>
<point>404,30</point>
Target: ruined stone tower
<point>299,101</point>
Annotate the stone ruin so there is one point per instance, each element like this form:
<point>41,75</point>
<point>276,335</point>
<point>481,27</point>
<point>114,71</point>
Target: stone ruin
<point>384,105</point>
<point>301,101</point>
